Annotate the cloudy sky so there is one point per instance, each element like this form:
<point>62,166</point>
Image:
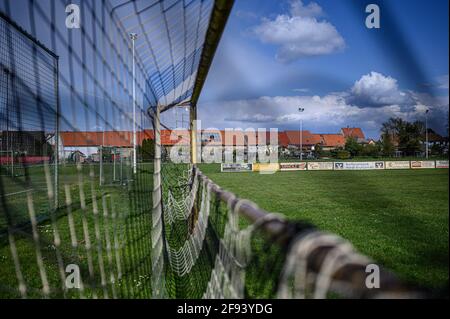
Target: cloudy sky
<point>278,55</point>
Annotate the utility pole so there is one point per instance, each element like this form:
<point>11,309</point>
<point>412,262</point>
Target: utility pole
<point>133,37</point>
<point>301,110</point>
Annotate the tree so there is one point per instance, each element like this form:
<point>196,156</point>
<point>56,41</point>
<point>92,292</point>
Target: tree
<point>411,137</point>
<point>408,135</point>
<point>392,126</point>
<point>371,150</point>
<point>352,146</point>
<point>387,145</point>
<point>437,149</point>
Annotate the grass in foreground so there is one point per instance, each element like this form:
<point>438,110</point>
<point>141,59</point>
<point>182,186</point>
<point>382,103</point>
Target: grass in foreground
<point>398,218</point>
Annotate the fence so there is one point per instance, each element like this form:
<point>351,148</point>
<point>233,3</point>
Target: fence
<point>94,242</point>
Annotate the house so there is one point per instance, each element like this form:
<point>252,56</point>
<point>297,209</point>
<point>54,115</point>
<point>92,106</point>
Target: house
<point>332,141</point>
<point>106,138</point>
<point>354,132</point>
<point>216,141</point>
<point>307,142</point>
<point>95,157</point>
<point>30,143</point>
<point>77,157</point>
<point>283,140</point>
<point>436,140</point>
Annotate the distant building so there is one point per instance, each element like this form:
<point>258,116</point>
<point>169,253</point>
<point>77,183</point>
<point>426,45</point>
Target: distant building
<point>435,139</point>
<point>95,157</point>
<point>214,140</point>
<point>307,142</point>
<point>31,143</point>
<point>354,132</point>
<point>332,141</point>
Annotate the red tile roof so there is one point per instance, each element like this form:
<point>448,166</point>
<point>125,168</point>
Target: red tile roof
<point>354,132</point>
<point>170,138</point>
<point>115,138</point>
<point>239,138</point>
<point>333,140</point>
<point>307,136</point>
<point>283,140</point>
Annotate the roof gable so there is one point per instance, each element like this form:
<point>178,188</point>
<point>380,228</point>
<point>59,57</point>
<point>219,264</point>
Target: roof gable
<point>354,132</point>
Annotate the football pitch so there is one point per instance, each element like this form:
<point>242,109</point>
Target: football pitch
<point>398,218</point>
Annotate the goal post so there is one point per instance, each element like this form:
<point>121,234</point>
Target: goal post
<point>193,134</point>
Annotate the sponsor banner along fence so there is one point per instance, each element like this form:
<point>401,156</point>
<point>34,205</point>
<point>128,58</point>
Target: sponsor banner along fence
<point>358,165</point>
<point>397,165</point>
<point>270,167</point>
<point>422,164</point>
<point>236,167</point>
<point>441,164</point>
<point>301,166</point>
<point>320,166</point>
<point>314,166</point>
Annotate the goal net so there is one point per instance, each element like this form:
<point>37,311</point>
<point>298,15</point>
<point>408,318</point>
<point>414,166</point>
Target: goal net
<point>111,202</point>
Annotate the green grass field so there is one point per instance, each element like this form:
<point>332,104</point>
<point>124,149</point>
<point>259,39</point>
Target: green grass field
<point>398,218</point>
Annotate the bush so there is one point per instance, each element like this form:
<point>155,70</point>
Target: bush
<point>371,150</point>
<point>353,147</point>
<point>343,154</point>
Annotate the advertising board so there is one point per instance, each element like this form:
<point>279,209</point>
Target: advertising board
<point>301,166</point>
<point>397,165</point>
<point>441,164</point>
<point>266,167</point>
<point>236,167</point>
<point>358,165</point>
<point>320,166</point>
<point>422,164</point>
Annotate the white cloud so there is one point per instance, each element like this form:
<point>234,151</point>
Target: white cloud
<point>298,9</point>
<point>300,33</point>
<point>377,90</point>
<point>328,113</point>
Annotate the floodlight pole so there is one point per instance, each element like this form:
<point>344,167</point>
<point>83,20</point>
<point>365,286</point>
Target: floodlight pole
<point>57,128</point>
<point>101,158</point>
<point>301,110</point>
<point>133,37</point>
<point>426,133</point>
